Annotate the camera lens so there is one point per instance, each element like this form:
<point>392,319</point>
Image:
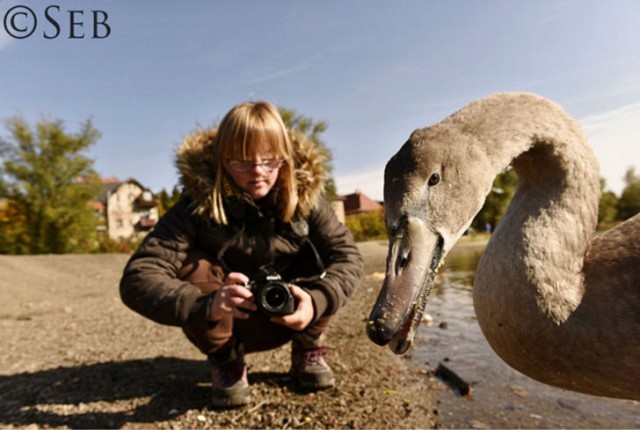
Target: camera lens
<point>275,296</point>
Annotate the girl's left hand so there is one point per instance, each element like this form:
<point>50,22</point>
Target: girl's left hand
<point>302,317</point>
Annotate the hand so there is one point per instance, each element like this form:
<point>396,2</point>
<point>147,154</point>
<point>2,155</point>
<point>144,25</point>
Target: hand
<point>232,299</point>
<point>303,315</point>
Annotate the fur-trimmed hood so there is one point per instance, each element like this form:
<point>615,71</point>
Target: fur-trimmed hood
<point>196,167</point>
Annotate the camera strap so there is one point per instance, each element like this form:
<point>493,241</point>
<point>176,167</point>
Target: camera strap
<point>321,272</point>
<point>309,279</point>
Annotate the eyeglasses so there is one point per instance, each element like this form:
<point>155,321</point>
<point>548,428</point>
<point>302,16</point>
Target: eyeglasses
<point>269,164</point>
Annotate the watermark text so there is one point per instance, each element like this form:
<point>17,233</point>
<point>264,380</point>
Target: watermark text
<point>52,22</point>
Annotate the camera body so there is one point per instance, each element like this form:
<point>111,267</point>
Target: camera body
<point>272,296</point>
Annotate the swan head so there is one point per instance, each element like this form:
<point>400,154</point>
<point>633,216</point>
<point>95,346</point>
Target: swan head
<point>430,199</point>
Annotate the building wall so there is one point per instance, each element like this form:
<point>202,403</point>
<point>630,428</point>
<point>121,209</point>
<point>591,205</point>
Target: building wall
<point>122,214</point>
<point>338,208</point>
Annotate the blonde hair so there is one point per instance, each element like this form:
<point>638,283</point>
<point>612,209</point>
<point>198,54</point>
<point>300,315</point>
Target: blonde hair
<point>246,129</point>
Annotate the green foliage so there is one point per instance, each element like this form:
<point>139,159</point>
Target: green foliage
<point>107,245</point>
<point>312,130</point>
<point>629,202</point>
<point>166,200</point>
<point>367,226</point>
<point>607,208</point>
<point>13,238</point>
<point>611,210</point>
<point>504,185</point>
<point>47,183</point>
<point>607,212</point>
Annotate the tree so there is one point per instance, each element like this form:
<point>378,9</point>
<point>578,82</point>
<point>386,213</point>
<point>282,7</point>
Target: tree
<point>367,226</point>
<point>47,183</point>
<point>312,130</point>
<point>607,208</point>
<point>496,203</point>
<point>167,200</point>
<point>629,202</point>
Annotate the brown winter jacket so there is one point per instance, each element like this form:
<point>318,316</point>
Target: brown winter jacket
<point>255,241</point>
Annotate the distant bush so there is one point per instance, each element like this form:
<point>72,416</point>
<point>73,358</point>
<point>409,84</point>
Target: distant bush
<point>108,245</point>
<point>367,226</point>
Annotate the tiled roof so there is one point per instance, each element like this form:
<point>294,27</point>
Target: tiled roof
<point>359,202</point>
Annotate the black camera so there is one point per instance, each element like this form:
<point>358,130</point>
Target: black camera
<point>273,296</point>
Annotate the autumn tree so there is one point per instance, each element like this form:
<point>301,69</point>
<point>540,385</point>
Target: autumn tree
<point>47,182</point>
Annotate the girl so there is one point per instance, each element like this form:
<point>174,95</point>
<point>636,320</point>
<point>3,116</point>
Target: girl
<point>252,209</point>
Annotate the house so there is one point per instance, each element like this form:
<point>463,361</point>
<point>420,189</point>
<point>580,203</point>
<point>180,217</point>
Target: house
<point>127,208</point>
<point>338,208</point>
<point>359,202</point>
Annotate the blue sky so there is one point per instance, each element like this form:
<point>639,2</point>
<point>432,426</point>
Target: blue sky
<point>373,70</point>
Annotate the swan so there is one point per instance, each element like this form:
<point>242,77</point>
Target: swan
<point>553,302</point>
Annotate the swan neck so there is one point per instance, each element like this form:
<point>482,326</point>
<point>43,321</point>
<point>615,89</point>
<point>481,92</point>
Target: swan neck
<point>552,217</point>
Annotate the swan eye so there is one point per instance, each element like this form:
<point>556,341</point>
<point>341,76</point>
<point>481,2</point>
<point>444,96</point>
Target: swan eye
<point>434,179</point>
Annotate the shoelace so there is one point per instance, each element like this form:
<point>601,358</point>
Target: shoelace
<point>313,356</point>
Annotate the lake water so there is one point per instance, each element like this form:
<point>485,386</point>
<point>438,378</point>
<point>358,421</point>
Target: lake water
<point>502,397</point>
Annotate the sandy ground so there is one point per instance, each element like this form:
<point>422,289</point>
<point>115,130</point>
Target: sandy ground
<point>74,356</point>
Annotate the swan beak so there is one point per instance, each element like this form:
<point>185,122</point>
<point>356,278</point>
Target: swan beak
<point>415,252</point>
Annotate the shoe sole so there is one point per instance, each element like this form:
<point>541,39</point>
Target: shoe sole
<point>231,398</point>
<point>315,382</point>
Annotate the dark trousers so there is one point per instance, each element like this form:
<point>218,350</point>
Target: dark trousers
<point>254,334</point>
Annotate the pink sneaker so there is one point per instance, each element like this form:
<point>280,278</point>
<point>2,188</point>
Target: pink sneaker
<point>229,383</point>
<point>309,369</point>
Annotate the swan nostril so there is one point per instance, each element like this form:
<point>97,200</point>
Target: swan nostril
<point>403,262</point>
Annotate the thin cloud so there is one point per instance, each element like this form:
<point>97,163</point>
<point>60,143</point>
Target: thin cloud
<point>624,114</point>
<point>615,137</point>
<point>279,73</point>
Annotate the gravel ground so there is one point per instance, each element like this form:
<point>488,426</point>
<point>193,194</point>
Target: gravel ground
<point>73,356</point>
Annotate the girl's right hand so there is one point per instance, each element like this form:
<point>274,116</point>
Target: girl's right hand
<point>234,298</point>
